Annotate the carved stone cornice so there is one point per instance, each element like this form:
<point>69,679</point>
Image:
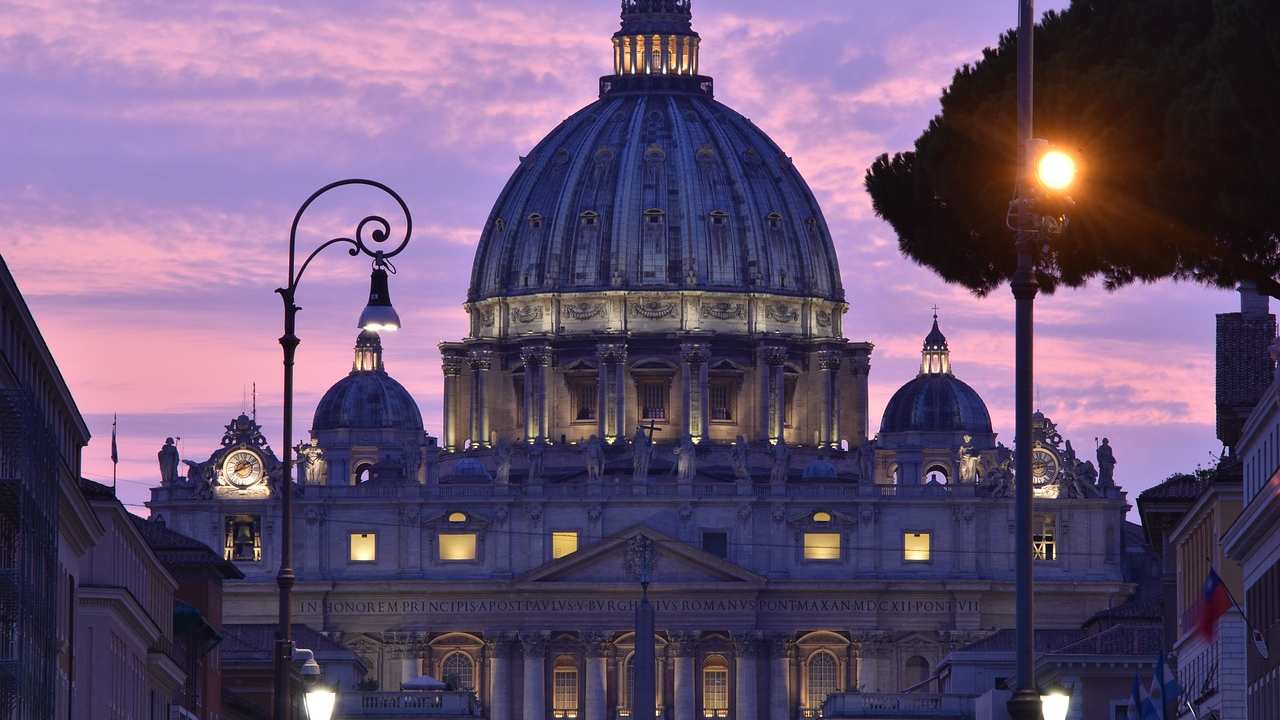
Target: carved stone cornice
<point>534,644</point>
<point>452,364</point>
<point>830,360</point>
<point>536,355</point>
<point>694,353</point>
<point>481,360</point>
<point>746,644</point>
<point>612,352</point>
<point>774,355</point>
<point>722,310</point>
<point>682,643</point>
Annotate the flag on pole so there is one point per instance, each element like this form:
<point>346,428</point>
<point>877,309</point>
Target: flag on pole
<point>1140,705</point>
<point>1165,687</point>
<point>1215,603</point>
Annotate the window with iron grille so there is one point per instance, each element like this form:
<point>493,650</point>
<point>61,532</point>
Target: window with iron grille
<point>722,400</point>
<point>653,399</point>
<point>822,678</point>
<point>584,400</point>
<point>459,670</point>
<point>565,692</point>
<point>715,689</point>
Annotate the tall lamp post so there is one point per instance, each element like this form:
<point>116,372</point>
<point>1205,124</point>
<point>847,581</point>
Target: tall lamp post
<point>378,315</point>
<point>1038,208</point>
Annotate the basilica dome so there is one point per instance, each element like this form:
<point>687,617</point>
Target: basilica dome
<point>656,186</point>
<point>368,398</point>
<point>936,400</point>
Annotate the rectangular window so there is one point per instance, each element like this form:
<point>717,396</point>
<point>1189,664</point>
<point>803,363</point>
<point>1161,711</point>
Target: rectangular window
<point>915,546</point>
<point>364,547</point>
<point>821,546</point>
<point>1044,539</point>
<point>722,401</point>
<point>715,692</point>
<point>716,543</point>
<point>584,400</point>
<point>564,543</point>
<point>457,547</point>
<point>653,399</point>
<point>564,702</point>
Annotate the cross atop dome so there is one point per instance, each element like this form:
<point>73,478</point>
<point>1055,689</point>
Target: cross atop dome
<point>935,357</point>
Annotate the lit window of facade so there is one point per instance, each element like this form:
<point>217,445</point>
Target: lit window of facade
<point>916,546</point>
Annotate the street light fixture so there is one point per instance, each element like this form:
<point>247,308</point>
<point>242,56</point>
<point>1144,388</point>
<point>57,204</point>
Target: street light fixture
<point>321,701</point>
<point>1055,705</point>
<point>375,229</point>
<point>1056,170</point>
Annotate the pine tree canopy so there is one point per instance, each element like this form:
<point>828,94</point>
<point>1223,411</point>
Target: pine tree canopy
<point>1172,108</point>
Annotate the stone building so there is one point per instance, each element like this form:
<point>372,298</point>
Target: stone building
<point>656,350</point>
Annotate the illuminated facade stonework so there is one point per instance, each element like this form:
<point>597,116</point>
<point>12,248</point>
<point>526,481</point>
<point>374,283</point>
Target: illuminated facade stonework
<point>656,349</point>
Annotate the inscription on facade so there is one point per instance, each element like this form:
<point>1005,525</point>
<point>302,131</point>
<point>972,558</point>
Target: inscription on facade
<point>582,606</point>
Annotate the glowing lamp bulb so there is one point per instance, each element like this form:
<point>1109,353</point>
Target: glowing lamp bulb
<point>1055,705</point>
<point>1056,170</point>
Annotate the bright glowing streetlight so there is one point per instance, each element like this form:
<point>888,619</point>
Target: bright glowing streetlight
<point>1056,170</point>
<point>321,701</point>
<point>1055,706</point>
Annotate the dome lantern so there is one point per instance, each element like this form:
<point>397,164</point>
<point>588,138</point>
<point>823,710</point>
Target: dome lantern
<point>368,353</point>
<point>935,357</point>
<point>656,38</point>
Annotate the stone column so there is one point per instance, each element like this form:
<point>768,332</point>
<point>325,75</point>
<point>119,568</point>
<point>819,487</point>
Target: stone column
<point>452,365</point>
<point>773,390</point>
<point>780,650</point>
<point>855,424</point>
<point>829,368</point>
<point>611,391</point>
<point>598,651</point>
<point>693,369</point>
<point>499,654</point>
<point>535,676</point>
<point>481,361</point>
<point>682,647</point>
<point>537,366</point>
<point>745,648</point>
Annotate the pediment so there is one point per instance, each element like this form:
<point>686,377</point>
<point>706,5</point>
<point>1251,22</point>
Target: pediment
<point>676,563</point>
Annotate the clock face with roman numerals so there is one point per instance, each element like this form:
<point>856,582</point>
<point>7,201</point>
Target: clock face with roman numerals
<point>242,468</point>
<point>1045,467</point>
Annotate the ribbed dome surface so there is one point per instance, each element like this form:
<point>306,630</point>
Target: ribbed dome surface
<point>367,400</point>
<point>656,189</point>
<point>936,403</point>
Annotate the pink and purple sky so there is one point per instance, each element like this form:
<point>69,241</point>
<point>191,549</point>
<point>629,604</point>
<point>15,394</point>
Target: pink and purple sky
<point>156,150</point>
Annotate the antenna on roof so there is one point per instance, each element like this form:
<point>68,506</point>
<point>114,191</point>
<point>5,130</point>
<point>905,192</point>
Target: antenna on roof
<point>255,401</point>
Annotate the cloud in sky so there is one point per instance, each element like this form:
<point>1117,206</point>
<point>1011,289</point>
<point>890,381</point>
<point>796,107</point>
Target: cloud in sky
<point>158,151</point>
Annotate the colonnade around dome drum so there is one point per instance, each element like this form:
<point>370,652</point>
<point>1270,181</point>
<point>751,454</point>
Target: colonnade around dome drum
<point>707,386</point>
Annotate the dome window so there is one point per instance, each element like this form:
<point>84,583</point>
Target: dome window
<point>775,220</point>
<point>719,217</point>
<point>535,220</point>
<point>457,517</point>
<point>589,218</point>
<point>653,216</point>
<point>822,517</point>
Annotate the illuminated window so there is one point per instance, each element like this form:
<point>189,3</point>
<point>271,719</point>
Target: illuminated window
<point>457,517</point>
<point>821,546</point>
<point>821,516</point>
<point>364,547</point>
<point>715,688</point>
<point>564,543</point>
<point>457,547</point>
<point>364,473</point>
<point>822,678</point>
<point>915,547</point>
<point>243,539</point>
<point>1044,538</point>
<point>564,686</point>
<point>459,671</point>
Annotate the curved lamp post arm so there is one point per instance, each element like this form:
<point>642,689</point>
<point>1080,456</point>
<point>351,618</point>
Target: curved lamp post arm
<point>378,231</point>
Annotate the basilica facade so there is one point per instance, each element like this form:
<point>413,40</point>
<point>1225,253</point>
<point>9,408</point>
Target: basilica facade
<point>656,350</point>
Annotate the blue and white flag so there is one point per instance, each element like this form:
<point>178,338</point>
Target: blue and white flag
<point>1140,706</point>
<point>1165,686</point>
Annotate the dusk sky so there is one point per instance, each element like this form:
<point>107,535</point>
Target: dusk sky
<point>155,151</point>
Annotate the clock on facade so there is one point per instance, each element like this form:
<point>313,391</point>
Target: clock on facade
<point>242,468</point>
<point>1045,466</point>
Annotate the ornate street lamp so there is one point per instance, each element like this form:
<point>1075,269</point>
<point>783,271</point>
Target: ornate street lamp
<point>378,315</point>
<point>319,699</point>
<point>1056,705</point>
<point>1038,208</point>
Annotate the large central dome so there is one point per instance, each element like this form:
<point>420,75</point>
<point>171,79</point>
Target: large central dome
<point>656,186</point>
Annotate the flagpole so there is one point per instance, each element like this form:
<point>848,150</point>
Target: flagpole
<point>115,455</point>
<point>1253,632</point>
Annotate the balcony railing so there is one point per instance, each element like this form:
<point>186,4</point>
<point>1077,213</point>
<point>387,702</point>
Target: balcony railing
<point>880,705</point>
<point>408,703</point>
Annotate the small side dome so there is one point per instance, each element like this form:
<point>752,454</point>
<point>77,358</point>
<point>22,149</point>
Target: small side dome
<point>936,400</point>
<point>368,398</point>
